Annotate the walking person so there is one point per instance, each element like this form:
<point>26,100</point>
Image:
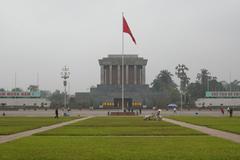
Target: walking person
<point>231,112</point>
<point>56,113</point>
<point>174,110</point>
<point>158,115</point>
<point>222,110</point>
<point>228,109</point>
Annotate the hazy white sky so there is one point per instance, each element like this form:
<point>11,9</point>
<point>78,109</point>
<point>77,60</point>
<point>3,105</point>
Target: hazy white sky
<point>44,35</point>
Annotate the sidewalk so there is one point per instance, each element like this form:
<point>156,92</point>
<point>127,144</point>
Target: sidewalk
<point>213,132</point>
<point>7,138</point>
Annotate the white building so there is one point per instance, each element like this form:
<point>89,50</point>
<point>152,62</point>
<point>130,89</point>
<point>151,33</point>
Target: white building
<point>219,99</point>
<point>24,102</point>
<point>31,98</point>
<point>217,102</point>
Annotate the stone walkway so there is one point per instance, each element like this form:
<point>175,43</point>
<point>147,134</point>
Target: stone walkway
<point>213,132</point>
<point>7,138</point>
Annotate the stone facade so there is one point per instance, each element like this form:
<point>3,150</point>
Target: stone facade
<point>109,92</point>
<point>111,70</point>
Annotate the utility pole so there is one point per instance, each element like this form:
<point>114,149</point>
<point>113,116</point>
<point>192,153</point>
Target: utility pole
<point>65,75</point>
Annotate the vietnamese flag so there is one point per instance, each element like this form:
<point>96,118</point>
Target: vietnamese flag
<point>126,29</point>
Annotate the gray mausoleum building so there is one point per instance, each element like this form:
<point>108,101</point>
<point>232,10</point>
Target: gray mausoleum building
<point>134,70</point>
<point>108,93</point>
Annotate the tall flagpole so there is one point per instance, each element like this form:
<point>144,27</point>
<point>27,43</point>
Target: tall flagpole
<point>122,66</point>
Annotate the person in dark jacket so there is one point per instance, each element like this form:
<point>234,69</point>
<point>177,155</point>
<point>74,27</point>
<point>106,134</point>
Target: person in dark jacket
<point>56,113</point>
<point>231,112</point>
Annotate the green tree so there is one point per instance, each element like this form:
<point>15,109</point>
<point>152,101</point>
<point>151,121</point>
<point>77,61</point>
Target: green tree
<point>233,86</point>
<point>203,83</point>
<point>45,93</point>
<point>203,78</point>
<point>214,85</point>
<point>164,84</point>
<point>182,75</point>
<point>2,89</point>
<point>181,70</point>
<point>194,91</point>
<point>163,81</point>
<point>57,99</point>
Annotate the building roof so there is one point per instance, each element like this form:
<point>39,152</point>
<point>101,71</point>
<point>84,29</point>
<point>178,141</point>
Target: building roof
<point>129,59</point>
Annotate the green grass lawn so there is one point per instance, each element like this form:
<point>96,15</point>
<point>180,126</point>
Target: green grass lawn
<point>101,138</point>
<point>10,125</point>
<point>121,126</point>
<point>222,123</point>
<point>119,148</point>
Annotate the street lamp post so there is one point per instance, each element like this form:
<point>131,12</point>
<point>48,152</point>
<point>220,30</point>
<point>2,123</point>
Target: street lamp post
<point>65,75</point>
<point>181,100</point>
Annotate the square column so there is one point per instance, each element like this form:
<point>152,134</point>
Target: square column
<point>110,74</point>
<point>105,76</point>
<point>119,74</point>
<point>135,74</point>
<point>143,74</point>
<point>102,74</point>
<point>140,76</point>
<point>126,74</point>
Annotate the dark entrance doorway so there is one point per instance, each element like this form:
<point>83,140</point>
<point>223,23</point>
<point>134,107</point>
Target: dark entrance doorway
<point>127,103</point>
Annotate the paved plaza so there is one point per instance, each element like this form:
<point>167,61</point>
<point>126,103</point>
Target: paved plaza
<point>104,112</point>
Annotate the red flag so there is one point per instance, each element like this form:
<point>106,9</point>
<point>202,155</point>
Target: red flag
<point>126,29</point>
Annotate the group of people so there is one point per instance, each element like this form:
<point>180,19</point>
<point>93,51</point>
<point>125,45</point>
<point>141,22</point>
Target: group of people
<point>154,116</point>
<point>229,110</point>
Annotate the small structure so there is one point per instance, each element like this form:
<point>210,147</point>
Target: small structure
<point>122,113</point>
<point>23,99</point>
<point>172,106</point>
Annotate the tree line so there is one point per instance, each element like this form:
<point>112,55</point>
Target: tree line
<point>189,91</point>
<point>163,83</point>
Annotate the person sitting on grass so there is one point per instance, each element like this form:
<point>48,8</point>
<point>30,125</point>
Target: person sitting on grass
<point>158,116</point>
